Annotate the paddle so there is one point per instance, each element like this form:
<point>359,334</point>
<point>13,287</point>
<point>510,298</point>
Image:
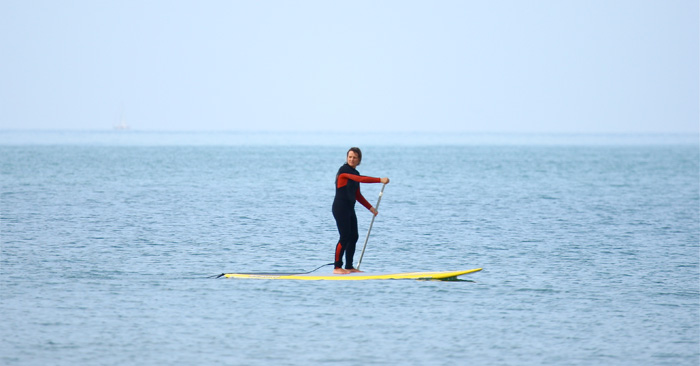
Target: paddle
<point>370,226</point>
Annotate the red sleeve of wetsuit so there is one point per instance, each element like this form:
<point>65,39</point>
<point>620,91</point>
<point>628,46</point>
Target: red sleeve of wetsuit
<point>361,199</point>
<point>343,179</point>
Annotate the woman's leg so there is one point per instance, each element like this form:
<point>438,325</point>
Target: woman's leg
<point>344,223</point>
<point>351,241</point>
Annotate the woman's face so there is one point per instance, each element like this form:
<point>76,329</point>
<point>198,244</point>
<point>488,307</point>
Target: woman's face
<point>353,159</point>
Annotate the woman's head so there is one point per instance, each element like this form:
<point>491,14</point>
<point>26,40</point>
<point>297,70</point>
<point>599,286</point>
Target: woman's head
<point>354,156</point>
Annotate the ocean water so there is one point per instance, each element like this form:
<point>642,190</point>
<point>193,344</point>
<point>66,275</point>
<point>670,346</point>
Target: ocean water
<point>590,247</point>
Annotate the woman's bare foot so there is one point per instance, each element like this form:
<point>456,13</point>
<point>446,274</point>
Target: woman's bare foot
<point>354,270</point>
<point>340,271</point>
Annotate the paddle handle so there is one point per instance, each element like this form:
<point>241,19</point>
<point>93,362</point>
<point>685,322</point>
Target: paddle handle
<point>376,207</point>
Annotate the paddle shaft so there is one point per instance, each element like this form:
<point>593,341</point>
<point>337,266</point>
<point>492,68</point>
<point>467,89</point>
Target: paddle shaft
<point>376,207</point>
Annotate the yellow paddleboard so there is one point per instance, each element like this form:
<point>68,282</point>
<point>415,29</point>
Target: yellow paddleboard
<point>448,275</point>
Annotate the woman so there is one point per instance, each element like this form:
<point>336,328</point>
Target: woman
<point>347,191</point>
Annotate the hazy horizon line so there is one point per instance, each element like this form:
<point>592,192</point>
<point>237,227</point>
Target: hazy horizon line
<point>242,131</point>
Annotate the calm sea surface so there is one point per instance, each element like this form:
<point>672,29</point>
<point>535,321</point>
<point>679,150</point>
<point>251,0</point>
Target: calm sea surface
<point>589,244</point>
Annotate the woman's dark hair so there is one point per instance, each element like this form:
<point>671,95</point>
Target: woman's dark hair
<point>357,151</point>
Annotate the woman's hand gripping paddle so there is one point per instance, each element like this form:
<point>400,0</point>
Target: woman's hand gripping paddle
<point>381,193</point>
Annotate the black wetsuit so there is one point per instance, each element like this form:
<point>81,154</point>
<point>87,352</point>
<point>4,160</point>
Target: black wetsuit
<point>347,191</point>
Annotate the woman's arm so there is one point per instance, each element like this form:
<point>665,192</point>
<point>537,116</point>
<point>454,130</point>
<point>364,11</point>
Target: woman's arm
<point>361,199</point>
<point>343,179</point>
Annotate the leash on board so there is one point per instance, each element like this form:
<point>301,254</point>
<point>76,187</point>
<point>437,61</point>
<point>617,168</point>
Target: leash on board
<point>381,193</point>
<point>295,273</point>
<point>327,264</point>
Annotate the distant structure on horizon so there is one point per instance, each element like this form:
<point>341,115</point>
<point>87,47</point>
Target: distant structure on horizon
<point>122,124</point>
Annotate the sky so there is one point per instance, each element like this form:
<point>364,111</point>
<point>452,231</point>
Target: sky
<point>560,66</point>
